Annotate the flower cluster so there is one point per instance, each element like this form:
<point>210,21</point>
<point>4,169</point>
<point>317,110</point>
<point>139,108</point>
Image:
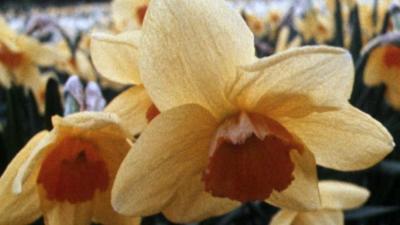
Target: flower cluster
<point>205,124</point>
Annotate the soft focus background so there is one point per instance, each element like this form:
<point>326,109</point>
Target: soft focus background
<point>68,24</point>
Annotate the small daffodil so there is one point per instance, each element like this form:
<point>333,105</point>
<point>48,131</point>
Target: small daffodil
<point>66,175</point>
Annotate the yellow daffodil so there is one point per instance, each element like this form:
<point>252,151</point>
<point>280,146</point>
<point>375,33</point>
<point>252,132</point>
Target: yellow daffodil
<point>369,27</point>
<point>383,66</point>
<point>66,175</point>
<point>335,197</point>
<point>78,64</point>
<point>315,26</point>
<point>19,58</point>
<point>234,128</point>
<point>116,58</point>
<point>256,25</point>
<point>128,14</point>
<point>283,43</point>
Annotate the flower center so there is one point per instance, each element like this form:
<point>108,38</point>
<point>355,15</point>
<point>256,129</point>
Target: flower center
<point>140,13</point>
<point>249,158</point>
<point>391,56</point>
<point>10,59</point>
<point>73,171</point>
<point>152,112</point>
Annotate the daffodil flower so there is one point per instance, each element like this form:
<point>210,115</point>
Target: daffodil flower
<point>234,128</point>
<point>335,197</point>
<point>116,58</point>
<point>19,58</point>
<point>128,14</point>
<point>383,65</point>
<point>66,175</point>
<point>77,64</point>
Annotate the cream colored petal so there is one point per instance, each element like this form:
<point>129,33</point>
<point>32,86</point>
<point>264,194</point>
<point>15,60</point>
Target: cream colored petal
<point>124,13</point>
<point>322,217</point>
<point>302,193</point>
<point>116,56</point>
<point>191,203</point>
<point>131,106</point>
<point>392,94</point>
<point>342,195</point>
<point>104,214</point>
<point>30,164</point>
<point>295,82</point>
<point>5,79</point>
<point>190,51</point>
<point>65,213</point>
<point>375,68</point>
<point>173,146</point>
<point>39,53</point>
<point>337,138</point>
<point>84,67</point>
<point>27,75</point>
<point>23,208</point>
<point>283,217</point>
<point>282,40</point>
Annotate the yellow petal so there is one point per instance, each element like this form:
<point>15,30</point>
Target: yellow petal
<point>84,68</point>
<point>392,94</point>
<point>27,75</point>
<point>31,47</point>
<point>302,193</point>
<point>124,13</point>
<point>337,138</point>
<point>375,68</point>
<point>282,41</point>
<point>173,146</point>
<point>295,82</point>
<point>103,212</point>
<point>23,208</point>
<point>66,213</point>
<point>322,217</point>
<point>5,80</point>
<point>283,217</point>
<point>30,164</point>
<point>131,106</point>
<point>191,203</point>
<point>190,51</point>
<point>116,56</point>
<point>341,195</point>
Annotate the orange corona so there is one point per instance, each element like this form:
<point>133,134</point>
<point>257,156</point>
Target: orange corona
<point>249,158</point>
<point>72,171</point>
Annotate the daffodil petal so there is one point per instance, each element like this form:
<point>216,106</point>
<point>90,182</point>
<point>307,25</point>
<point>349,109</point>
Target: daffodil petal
<point>173,146</point>
<point>131,106</point>
<point>5,80</point>
<point>66,213</point>
<point>321,217</point>
<point>283,217</point>
<point>338,137</point>
<point>191,203</point>
<point>124,13</point>
<point>190,51</point>
<point>342,195</point>
<point>296,82</point>
<point>31,47</point>
<point>375,67</point>
<point>302,193</point>
<point>116,56</point>
<point>23,208</point>
<point>103,212</point>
